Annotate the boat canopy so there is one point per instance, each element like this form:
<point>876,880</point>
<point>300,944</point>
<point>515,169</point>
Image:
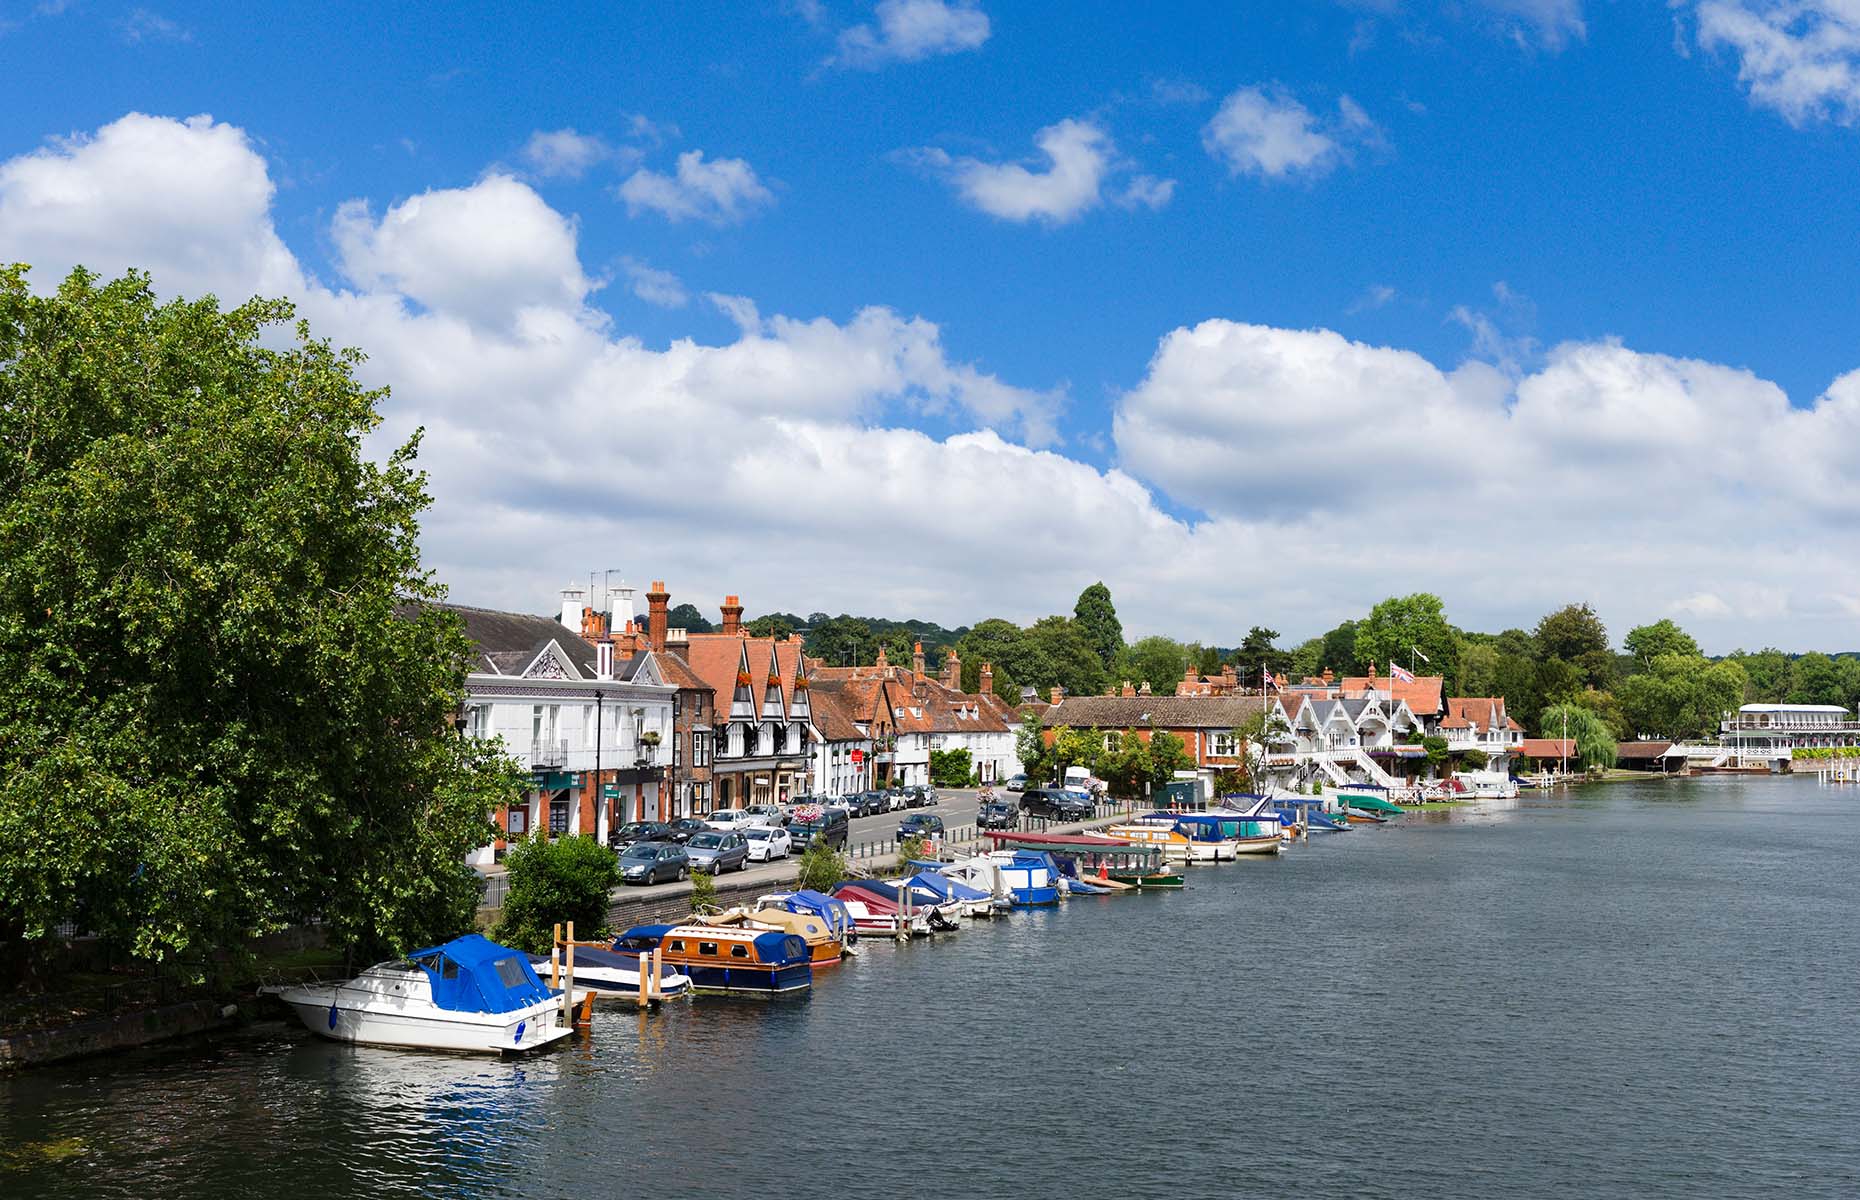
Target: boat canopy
<point>475,974</point>
<point>821,905</point>
<point>943,887</point>
<point>1221,826</point>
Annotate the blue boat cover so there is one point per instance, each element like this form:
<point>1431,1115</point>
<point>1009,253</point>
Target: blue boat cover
<point>474,974</point>
<point>945,888</point>
<point>833,912</point>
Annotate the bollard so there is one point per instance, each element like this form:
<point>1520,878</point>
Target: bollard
<point>568,983</point>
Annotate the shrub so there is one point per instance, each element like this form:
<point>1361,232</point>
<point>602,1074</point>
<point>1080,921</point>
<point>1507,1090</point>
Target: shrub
<point>564,879</point>
<point>910,848</point>
<point>821,867</point>
<point>703,891</point>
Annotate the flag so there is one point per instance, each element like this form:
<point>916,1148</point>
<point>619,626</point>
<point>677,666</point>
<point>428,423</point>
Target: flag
<point>1397,673</point>
<point>1417,653</point>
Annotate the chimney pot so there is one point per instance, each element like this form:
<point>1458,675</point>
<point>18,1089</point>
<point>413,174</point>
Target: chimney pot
<point>656,615</point>
<point>732,616</point>
<point>1058,693</point>
<point>1144,689</point>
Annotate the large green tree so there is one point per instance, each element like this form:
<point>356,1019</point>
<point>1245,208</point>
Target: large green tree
<point>1681,696</point>
<point>1258,651</point>
<point>1648,642</point>
<point>1595,741</point>
<point>228,705</point>
<point>687,617</point>
<point>1575,635</point>
<point>1068,653</point>
<point>1157,661</point>
<point>1413,627</point>
<point>1097,620</point>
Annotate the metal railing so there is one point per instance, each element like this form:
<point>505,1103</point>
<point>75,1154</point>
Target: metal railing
<point>547,752</point>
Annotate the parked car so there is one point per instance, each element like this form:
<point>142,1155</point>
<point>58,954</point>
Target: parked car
<point>896,800</point>
<point>997,814</point>
<point>767,814</point>
<point>768,842</point>
<point>730,818</point>
<point>832,826</point>
<point>1016,783</point>
<point>653,862</point>
<point>717,852</point>
<point>1054,805</point>
<point>867,803</point>
<point>684,827</point>
<point>921,796</point>
<point>639,831</point>
<point>920,825</point>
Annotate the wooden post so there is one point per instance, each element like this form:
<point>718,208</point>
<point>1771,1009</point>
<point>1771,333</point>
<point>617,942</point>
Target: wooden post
<point>658,969</point>
<point>645,976</point>
<point>568,983</point>
<point>555,956</point>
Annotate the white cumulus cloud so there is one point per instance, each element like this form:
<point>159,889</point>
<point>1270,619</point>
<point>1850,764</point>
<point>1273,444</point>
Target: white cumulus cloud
<point>1324,473</point>
<point>722,191</point>
<point>1078,156</point>
<point>654,286</point>
<point>566,154</point>
<point>1267,132</point>
<point>1799,57</point>
<point>909,30</point>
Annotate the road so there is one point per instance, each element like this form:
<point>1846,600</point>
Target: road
<point>956,806</point>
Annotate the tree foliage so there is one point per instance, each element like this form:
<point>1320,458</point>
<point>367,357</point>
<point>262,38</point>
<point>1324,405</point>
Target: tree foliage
<point>686,616</point>
<point>1096,618</point>
<point>1157,661</point>
<point>1168,754</point>
<point>1126,767</point>
<point>228,707</point>
<point>1398,627</point>
<point>821,867</point>
<point>1595,742</point>
<point>1575,635</point>
<point>1030,747</point>
<point>951,768</point>
<point>1258,652</point>
<point>555,880</point>
<point>1661,638</point>
<point>1681,696</point>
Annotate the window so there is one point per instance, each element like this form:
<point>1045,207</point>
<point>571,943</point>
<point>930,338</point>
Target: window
<point>558,814</point>
<point>678,946</point>
<point>449,969</point>
<point>709,948</point>
<point>509,971</point>
<point>739,951</point>
<point>1225,745</point>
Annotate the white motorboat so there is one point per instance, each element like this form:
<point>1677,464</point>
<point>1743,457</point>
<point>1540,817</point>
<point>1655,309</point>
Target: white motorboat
<point>610,972</point>
<point>469,994</point>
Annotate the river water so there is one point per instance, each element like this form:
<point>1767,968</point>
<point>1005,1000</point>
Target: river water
<point>1626,990</point>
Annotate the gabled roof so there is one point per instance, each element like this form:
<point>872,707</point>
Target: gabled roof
<point>1164,712</point>
<point>832,716</point>
<point>507,643</point>
<point>1634,751</point>
<point>1559,748</point>
<point>1483,713</point>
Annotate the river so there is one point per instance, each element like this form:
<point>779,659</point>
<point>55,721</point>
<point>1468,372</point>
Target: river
<point>1642,989</point>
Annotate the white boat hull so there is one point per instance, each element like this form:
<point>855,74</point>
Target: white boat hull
<point>345,1014</point>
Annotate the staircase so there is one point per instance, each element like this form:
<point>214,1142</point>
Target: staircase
<point>1375,772</point>
<point>1337,774</point>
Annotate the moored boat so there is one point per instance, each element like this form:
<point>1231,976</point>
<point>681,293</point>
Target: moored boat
<point>1096,858</point>
<point>823,946</point>
<point>1031,878</point>
<point>469,994</point>
<point>614,973</point>
<point>878,911</point>
<point>726,959</point>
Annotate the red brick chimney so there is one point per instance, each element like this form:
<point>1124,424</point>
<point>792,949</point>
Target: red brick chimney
<point>1129,689</point>
<point>952,670</point>
<point>1058,693</point>
<point>1327,676</point>
<point>917,661</point>
<point>988,679</point>
<point>732,616</point>
<point>882,663</point>
<point>626,642</point>
<point>656,600</point>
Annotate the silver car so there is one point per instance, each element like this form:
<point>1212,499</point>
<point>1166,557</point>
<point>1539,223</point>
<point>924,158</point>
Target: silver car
<point>715,853</point>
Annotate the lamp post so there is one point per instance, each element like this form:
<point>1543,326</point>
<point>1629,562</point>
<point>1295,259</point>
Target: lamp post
<point>600,790</point>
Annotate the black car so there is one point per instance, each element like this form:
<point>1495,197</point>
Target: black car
<point>1054,805</point>
<point>680,831</point>
<point>923,825</point>
<point>866,803</point>
<point>997,815</point>
<point>640,831</point>
<point>921,796</point>
<point>830,827</point>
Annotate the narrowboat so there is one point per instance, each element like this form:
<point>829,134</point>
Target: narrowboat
<point>1174,844</point>
<point>469,994</point>
<point>722,959</point>
<point>612,972</point>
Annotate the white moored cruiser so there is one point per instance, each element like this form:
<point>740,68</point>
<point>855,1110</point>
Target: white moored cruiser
<point>470,994</point>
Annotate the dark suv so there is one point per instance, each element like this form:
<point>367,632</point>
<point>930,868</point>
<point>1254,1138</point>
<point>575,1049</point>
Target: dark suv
<point>866,803</point>
<point>1054,805</point>
<point>996,815</point>
<point>828,827</point>
<point>923,825</point>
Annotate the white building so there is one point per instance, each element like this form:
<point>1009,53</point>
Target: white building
<point>1768,733</point>
<point>588,729</point>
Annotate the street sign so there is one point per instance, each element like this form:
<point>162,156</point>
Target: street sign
<point>611,791</point>
<point>858,757</point>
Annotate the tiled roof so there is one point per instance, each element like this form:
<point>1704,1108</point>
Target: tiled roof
<point>1483,712</point>
<point>1641,751</point>
<point>832,716</point>
<point>1422,696</point>
<point>678,673</point>
<point>1165,712</point>
<point>1554,747</point>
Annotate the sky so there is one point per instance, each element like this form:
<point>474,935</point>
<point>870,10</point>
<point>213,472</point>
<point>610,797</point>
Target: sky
<point>1258,312</point>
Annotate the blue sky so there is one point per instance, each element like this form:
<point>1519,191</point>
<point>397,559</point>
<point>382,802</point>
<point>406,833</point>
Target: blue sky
<point>1506,192</point>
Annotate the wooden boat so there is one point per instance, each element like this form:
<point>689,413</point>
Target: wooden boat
<point>724,959</point>
<point>469,994</point>
<point>1175,845</point>
<point>824,948</point>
